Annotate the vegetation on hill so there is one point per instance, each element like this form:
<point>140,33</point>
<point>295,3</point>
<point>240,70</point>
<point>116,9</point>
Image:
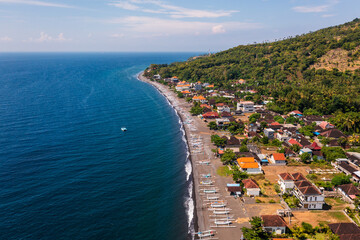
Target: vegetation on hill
<point>318,71</point>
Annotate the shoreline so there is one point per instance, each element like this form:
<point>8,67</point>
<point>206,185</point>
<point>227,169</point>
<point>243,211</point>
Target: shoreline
<point>195,196</point>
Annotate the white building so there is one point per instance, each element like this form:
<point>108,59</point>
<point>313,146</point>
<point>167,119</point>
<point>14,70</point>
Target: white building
<point>245,106</point>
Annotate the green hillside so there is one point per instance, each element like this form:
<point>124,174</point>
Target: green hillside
<point>319,71</point>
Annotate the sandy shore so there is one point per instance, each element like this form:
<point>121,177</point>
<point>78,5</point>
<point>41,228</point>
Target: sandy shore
<point>198,137</point>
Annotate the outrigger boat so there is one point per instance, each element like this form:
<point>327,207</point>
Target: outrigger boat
<point>204,162</point>
<point>210,191</point>
<point>206,175</point>
<point>206,182</point>
<point>224,221</point>
<point>208,233</point>
<point>218,205</point>
<point>221,212</point>
<point>213,197</point>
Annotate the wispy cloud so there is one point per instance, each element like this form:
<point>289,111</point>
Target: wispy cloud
<point>165,27</point>
<point>44,37</point>
<point>5,39</point>
<point>316,9</point>
<point>159,7</point>
<point>36,3</point>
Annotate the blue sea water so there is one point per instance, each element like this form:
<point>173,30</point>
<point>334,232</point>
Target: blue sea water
<point>67,171</point>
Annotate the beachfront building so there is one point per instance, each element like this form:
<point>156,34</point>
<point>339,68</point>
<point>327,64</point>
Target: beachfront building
<point>249,165</point>
<point>222,122</point>
<point>234,189</point>
<point>210,115</point>
<point>245,106</point>
<point>251,187</point>
<point>183,87</point>
<point>199,99</point>
<point>274,224</point>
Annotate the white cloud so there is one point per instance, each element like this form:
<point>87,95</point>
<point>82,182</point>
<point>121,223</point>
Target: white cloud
<point>316,9</point>
<point>165,27</point>
<point>44,37</point>
<point>159,7</point>
<point>125,5</point>
<point>218,29</point>
<point>36,3</point>
<point>5,39</point>
<point>328,15</point>
<point>117,35</point>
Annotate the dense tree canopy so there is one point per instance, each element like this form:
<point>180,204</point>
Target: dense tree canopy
<point>298,72</point>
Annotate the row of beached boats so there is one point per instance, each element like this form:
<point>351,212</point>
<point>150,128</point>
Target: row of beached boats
<point>219,213</point>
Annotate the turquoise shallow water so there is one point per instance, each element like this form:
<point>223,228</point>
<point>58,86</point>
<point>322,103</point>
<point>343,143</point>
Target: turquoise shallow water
<point>67,171</point>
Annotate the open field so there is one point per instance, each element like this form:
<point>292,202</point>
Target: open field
<point>271,172</point>
<point>316,217</point>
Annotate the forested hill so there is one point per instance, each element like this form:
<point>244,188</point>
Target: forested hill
<point>318,71</point>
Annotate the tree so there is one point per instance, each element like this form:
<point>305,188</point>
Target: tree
<point>296,148</point>
<point>196,110</point>
<point>342,141</point>
<point>279,119</point>
<point>243,148</point>
<point>305,157</point>
<point>212,126</point>
<point>228,157</point>
<point>263,125</point>
<point>332,153</point>
<point>340,179</point>
<point>218,141</point>
<point>256,232</point>
<point>180,95</point>
<point>265,140</point>
<point>238,175</point>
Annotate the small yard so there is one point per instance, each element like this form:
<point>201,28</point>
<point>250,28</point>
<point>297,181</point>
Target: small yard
<point>316,217</point>
<point>272,172</point>
<point>224,171</point>
<point>336,203</point>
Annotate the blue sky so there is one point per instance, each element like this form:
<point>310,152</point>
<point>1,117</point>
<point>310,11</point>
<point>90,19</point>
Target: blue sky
<point>161,25</point>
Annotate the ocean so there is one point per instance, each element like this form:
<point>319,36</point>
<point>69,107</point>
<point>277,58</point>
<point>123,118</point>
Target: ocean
<point>67,171</point>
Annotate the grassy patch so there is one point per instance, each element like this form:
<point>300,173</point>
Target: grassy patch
<point>224,171</point>
<point>338,215</point>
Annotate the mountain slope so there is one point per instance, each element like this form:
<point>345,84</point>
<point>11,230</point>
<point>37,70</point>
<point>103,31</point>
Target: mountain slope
<point>319,70</point>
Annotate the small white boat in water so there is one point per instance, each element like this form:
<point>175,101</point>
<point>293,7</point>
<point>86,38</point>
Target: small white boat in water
<point>123,129</point>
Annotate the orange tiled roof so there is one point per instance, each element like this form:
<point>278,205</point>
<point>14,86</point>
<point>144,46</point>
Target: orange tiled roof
<point>210,86</point>
<point>245,160</point>
<point>249,165</point>
<point>279,156</point>
<point>199,98</point>
<point>186,91</point>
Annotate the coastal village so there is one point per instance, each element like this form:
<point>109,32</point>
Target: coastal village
<point>265,175</point>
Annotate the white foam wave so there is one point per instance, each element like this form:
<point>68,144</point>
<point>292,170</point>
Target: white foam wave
<point>190,207</point>
<point>189,200</point>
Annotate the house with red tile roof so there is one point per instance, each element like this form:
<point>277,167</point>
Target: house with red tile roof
<point>286,182</point>
<point>252,188</point>
<point>309,195</point>
<point>210,115</point>
<point>326,125</point>
<point>274,224</point>
<point>295,112</point>
<point>348,191</point>
<point>292,141</point>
